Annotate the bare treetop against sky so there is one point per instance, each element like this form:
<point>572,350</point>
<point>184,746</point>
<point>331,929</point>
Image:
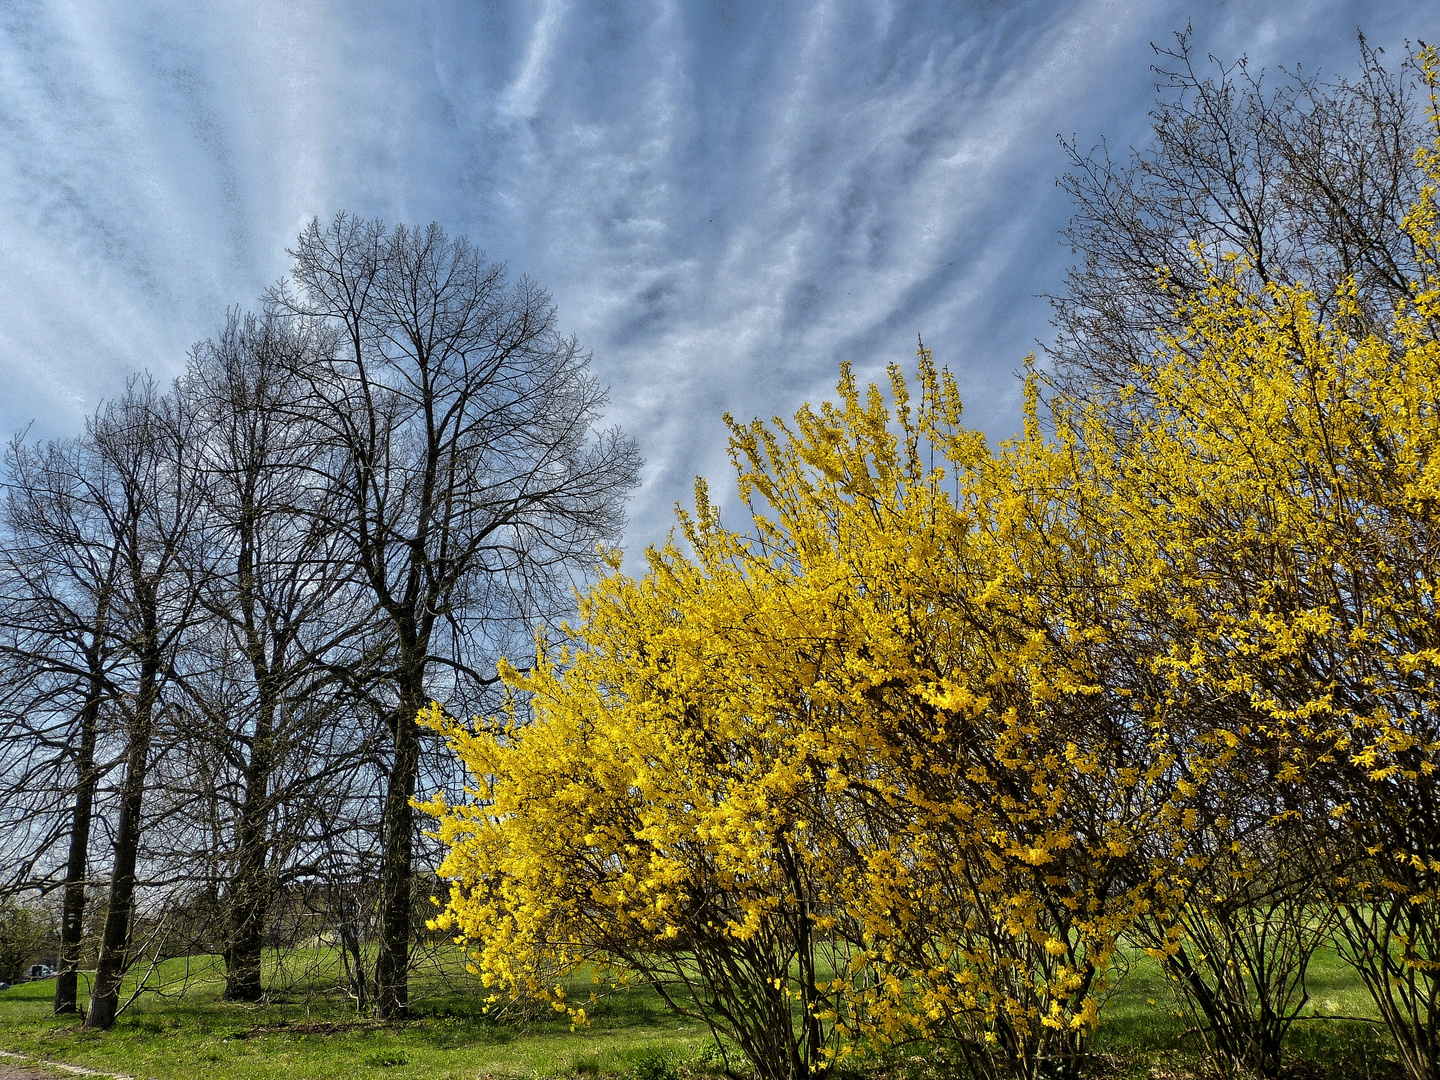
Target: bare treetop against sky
<point>725,198</point>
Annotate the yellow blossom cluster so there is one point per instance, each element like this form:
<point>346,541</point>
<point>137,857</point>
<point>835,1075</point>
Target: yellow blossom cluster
<point>920,747</point>
<point>874,766</point>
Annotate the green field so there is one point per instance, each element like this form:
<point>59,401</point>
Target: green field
<point>185,1031</point>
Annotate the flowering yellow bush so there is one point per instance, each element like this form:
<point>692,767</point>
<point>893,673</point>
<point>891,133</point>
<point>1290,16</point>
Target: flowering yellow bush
<point>870,769</point>
<point>1001,792</point>
<point>656,817</point>
<point>1275,484</point>
<point>914,752</point>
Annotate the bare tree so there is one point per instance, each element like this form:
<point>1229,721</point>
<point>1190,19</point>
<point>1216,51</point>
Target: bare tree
<point>272,577</point>
<point>474,486</point>
<point>1303,179</point>
<point>142,444</point>
<point>61,572</point>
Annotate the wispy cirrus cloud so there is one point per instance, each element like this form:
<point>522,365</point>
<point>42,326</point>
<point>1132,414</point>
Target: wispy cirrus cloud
<point>726,198</point>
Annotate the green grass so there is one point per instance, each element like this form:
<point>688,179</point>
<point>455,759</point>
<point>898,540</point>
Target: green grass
<point>306,1034</point>
<point>306,1030</point>
<point>1145,1031</point>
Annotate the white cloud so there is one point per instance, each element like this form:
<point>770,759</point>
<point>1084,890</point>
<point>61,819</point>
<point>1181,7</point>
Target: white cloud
<point>726,198</point>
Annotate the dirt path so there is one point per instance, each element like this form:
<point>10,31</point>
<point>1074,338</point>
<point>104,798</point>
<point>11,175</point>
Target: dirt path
<point>11,1071</point>
<point>18,1067</point>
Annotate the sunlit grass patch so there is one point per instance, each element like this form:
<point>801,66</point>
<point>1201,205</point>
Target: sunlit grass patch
<point>310,1030</point>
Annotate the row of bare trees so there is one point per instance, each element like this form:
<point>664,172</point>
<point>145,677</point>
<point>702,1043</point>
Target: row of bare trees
<point>222,606</point>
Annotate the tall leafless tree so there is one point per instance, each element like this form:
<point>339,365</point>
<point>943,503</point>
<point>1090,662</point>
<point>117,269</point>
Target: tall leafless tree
<point>273,578</point>
<point>62,569</point>
<point>143,444</point>
<point>474,485</point>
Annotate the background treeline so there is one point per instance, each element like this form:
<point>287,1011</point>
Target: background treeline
<point>223,604</point>
<point>942,736</point>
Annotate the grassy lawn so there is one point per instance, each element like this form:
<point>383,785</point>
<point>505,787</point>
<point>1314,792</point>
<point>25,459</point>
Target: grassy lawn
<point>187,1032</point>
<point>299,1034</point>
<point>1145,1032</point>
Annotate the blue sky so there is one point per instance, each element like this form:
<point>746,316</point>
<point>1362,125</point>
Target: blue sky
<point>725,198</point>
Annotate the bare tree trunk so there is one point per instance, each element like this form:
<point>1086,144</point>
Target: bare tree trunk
<point>72,916</point>
<point>115,944</point>
<point>392,964</point>
<point>250,887</point>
